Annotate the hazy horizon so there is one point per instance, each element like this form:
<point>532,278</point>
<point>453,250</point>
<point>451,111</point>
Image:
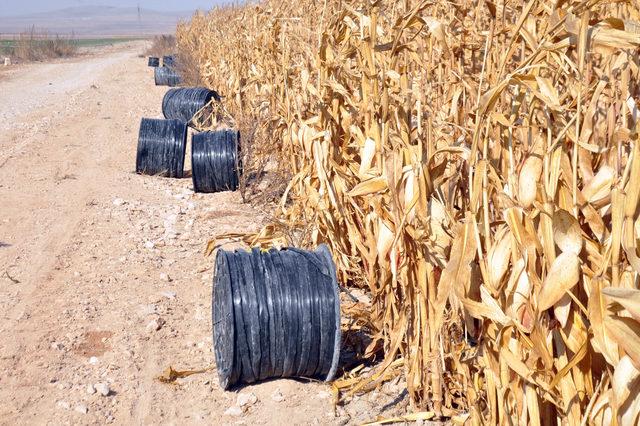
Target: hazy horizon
<point>27,7</point>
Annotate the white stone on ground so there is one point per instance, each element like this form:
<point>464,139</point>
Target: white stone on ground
<point>102,388</point>
<point>155,324</point>
<point>277,396</point>
<point>234,411</point>
<point>168,294</point>
<point>246,399</point>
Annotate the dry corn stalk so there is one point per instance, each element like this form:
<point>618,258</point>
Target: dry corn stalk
<point>474,165</point>
<point>212,116</point>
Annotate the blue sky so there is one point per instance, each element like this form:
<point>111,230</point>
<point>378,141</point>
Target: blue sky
<point>21,7</point>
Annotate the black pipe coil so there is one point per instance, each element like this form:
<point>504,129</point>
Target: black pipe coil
<point>161,147</point>
<point>215,163</point>
<point>165,76</point>
<point>168,61</point>
<point>275,314</point>
<point>154,62</point>
<point>184,102</point>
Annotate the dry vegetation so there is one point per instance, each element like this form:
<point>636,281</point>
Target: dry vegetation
<point>475,166</point>
<point>33,45</point>
<point>162,45</point>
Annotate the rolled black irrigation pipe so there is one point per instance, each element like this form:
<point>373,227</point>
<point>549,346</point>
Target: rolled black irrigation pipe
<point>184,102</point>
<point>161,147</point>
<point>215,163</point>
<point>168,61</point>
<point>165,76</point>
<point>275,314</point>
<point>154,62</point>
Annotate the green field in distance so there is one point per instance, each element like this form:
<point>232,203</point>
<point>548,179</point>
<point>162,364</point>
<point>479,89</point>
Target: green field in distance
<point>80,42</point>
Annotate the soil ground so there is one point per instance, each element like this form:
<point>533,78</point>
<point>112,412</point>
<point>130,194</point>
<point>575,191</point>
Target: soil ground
<point>94,258</point>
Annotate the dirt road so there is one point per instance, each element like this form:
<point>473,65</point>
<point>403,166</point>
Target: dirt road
<point>94,259</point>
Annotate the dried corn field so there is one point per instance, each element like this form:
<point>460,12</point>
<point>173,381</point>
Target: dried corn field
<point>475,167</point>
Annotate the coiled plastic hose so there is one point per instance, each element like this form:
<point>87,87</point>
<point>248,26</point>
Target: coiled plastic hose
<point>154,62</point>
<point>215,163</point>
<point>161,147</point>
<point>165,76</point>
<point>184,102</point>
<point>275,314</point>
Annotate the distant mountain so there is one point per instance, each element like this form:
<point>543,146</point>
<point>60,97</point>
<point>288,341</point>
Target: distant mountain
<point>96,21</point>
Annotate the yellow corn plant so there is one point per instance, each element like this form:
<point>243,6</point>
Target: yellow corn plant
<point>474,165</point>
